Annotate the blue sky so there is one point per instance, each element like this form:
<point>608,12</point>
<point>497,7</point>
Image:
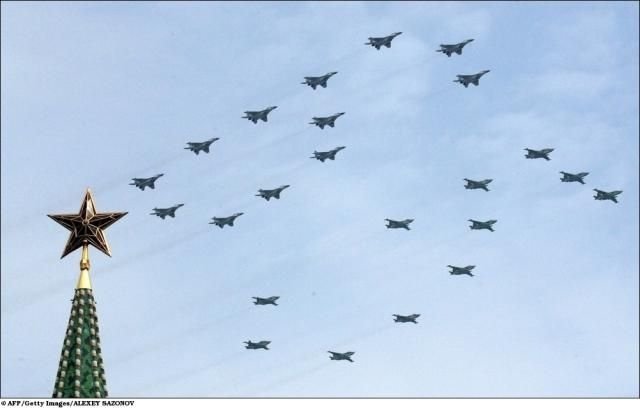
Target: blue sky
<point>94,94</point>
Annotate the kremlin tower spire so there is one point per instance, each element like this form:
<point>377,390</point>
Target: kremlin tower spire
<point>81,370</point>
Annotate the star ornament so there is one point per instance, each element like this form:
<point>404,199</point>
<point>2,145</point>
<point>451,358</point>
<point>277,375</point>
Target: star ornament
<point>87,226</point>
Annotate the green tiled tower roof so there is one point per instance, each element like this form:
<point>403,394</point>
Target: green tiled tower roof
<point>81,370</point>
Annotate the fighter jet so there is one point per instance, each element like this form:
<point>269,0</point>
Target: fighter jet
<point>474,185</point>
<point>568,177</point>
<point>341,356</point>
<point>141,183</point>
<point>538,154</point>
<point>378,42</point>
<point>603,195</point>
<point>478,225</point>
<point>254,116</point>
<point>326,121</point>
<point>331,154</point>
<point>163,212</point>
<point>399,224</point>
<point>406,319</point>
<point>268,194</point>
<point>259,345</point>
<point>221,222</point>
<point>455,270</point>
<point>320,80</point>
<point>266,301</point>
<point>196,147</point>
<point>470,79</point>
<point>451,48</point>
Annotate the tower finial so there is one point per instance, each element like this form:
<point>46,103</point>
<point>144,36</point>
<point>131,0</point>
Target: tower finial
<point>84,281</point>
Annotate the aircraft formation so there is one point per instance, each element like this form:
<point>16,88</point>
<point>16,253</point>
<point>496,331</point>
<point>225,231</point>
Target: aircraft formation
<point>321,122</point>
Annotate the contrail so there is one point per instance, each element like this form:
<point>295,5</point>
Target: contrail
<point>120,181</point>
<point>269,387</point>
<point>154,249</point>
<point>317,70</point>
<point>178,337</point>
<point>162,382</point>
<point>123,179</point>
<point>37,296</point>
<point>358,337</point>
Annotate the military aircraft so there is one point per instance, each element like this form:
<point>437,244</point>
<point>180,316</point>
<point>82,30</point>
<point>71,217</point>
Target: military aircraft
<point>568,177</point>
<point>399,224</point>
<point>259,345</point>
<point>320,80</point>
<point>474,185</point>
<point>341,356</point>
<point>406,319</point>
<point>141,183</point>
<point>603,195</point>
<point>266,301</point>
<point>538,154</point>
<point>470,79</point>
<point>163,212</point>
<point>478,225</point>
<point>196,147</point>
<point>455,270</point>
<point>451,48</point>
<point>268,194</point>
<point>378,42</point>
<point>326,121</point>
<point>331,154</point>
<point>221,222</point>
<point>254,116</point>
